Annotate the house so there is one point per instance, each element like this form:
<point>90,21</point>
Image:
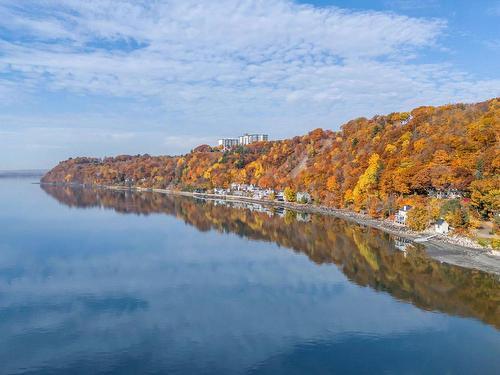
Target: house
<point>220,191</point>
<point>401,243</point>
<point>280,196</point>
<point>441,226</point>
<point>303,216</point>
<point>401,215</point>
<point>455,194</point>
<point>303,197</point>
<point>446,194</point>
<point>279,211</point>
<point>258,195</point>
<point>262,193</point>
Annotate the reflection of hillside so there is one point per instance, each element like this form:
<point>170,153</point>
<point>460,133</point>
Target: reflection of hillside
<point>366,256</point>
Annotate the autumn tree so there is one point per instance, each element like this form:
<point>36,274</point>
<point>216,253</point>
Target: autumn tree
<point>289,194</point>
<point>485,196</point>
<point>370,164</point>
<point>367,182</point>
<point>418,218</point>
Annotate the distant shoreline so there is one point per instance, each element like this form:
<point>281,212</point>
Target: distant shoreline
<point>459,251</point>
<point>22,173</point>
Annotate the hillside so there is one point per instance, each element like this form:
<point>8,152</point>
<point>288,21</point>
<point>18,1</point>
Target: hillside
<point>369,164</point>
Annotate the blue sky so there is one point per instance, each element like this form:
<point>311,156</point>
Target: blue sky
<point>105,77</point>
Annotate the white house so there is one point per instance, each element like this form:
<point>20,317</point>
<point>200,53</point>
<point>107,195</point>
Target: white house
<point>446,194</point>
<point>303,197</point>
<point>220,191</point>
<point>441,226</point>
<point>261,193</point>
<point>402,214</point>
<point>303,216</point>
<point>401,243</point>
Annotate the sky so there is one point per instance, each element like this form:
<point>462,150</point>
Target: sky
<point>102,77</point>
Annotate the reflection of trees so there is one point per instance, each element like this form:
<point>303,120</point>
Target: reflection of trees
<point>366,256</point>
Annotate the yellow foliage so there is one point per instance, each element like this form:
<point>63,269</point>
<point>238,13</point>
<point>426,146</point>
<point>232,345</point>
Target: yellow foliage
<point>367,180</point>
<point>257,167</point>
<point>405,138</point>
<point>331,184</point>
<point>348,196</point>
<point>289,194</point>
<point>390,148</point>
<point>419,145</point>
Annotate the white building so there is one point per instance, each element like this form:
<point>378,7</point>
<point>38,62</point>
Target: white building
<point>401,243</point>
<point>304,217</point>
<point>402,214</point>
<point>246,139</point>
<point>228,142</point>
<point>243,140</point>
<point>446,194</point>
<point>303,197</point>
<point>221,191</point>
<point>441,226</point>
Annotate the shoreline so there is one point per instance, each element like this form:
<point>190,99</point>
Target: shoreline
<point>458,251</point>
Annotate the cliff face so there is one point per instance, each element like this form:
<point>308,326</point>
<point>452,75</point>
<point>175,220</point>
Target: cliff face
<point>365,165</point>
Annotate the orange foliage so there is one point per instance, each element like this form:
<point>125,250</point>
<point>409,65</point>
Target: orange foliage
<point>430,148</point>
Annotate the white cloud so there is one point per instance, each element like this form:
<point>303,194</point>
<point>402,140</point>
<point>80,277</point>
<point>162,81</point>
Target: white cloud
<point>250,48</point>
<point>231,63</point>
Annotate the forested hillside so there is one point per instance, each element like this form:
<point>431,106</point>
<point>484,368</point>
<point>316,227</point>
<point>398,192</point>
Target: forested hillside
<point>370,164</point>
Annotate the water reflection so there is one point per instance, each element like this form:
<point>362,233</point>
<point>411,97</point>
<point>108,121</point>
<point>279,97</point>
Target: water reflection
<point>366,256</point>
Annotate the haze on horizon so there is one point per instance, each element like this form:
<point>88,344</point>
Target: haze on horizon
<point>105,77</point>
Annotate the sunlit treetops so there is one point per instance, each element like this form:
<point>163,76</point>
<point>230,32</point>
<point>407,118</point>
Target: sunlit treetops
<point>370,164</point>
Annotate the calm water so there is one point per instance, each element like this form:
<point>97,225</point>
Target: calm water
<point>119,283</point>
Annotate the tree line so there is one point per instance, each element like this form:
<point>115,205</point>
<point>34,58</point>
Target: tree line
<point>370,165</point>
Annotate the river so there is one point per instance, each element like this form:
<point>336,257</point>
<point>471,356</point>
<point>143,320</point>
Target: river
<point>104,282</point>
